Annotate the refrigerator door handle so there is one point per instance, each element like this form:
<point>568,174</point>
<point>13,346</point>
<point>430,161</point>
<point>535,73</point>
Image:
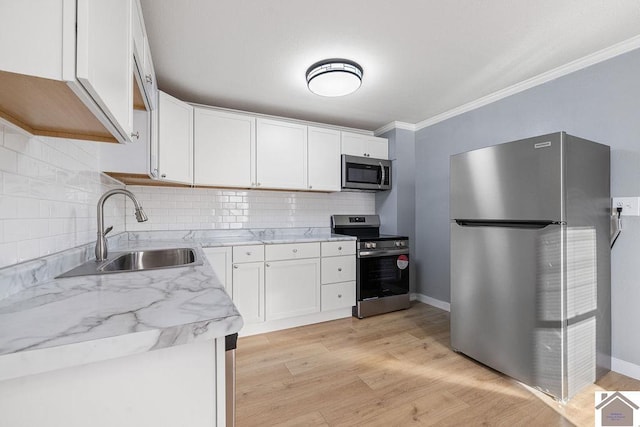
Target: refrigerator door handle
<point>507,223</point>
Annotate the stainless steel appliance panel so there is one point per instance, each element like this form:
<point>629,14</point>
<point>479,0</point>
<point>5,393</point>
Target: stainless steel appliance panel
<point>364,173</point>
<point>588,205</point>
<point>383,275</point>
<point>519,180</point>
<point>498,275</point>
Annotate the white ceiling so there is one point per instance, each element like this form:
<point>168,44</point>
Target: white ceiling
<point>421,58</point>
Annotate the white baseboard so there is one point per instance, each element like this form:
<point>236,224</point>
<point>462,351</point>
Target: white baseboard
<point>625,368</point>
<point>443,305</point>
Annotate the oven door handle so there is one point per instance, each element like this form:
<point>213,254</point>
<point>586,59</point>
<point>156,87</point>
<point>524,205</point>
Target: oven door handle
<point>383,175</point>
<point>372,254</point>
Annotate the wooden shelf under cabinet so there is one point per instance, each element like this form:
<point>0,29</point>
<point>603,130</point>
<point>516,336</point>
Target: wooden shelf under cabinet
<point>142,179</point>
<point>48,108</point>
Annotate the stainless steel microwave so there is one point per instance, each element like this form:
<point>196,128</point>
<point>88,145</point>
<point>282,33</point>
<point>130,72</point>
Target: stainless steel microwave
<point>365,173</point>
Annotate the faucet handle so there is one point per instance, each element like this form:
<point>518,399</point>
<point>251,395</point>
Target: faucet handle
<point>108,230</point>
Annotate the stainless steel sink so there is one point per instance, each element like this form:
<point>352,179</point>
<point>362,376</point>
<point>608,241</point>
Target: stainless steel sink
<point>151,259</point>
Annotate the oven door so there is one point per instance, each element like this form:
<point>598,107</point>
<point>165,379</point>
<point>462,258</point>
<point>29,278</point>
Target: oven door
<point>382,275</point>
<point>365,173</point>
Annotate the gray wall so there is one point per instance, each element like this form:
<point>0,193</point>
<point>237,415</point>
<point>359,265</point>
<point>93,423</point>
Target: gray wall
<point>396,207</point>
<point>600,103</point>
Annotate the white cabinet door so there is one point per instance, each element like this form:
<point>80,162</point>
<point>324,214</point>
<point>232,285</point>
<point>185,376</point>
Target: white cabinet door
<point>224,146</point>
<point>143,64</point>
<point>150,84</point>
<point>288,251</point>
<point>104,62</point>
<point>175,140</point>
<point>338,269</point>
<point>338,295</point>
<point>323,154</point>
<point>248,291</point>
<point>133,157</point>
<point>220,260</point>
<point>292,288</point>
<point>355,144</point>
<point>38,38</point>
<point>281,154</point>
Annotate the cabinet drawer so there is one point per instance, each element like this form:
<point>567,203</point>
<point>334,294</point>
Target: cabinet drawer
<point>249,253</point>
<point>346,247</point>
<point>337,295</point>
<point>338,269</point>
<point>292,251</point>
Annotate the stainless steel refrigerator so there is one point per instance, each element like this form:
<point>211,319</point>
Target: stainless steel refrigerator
<point>530,265</point>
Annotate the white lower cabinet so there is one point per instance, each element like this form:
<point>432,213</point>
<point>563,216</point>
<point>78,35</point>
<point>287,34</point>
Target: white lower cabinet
<point>249,291</point>
<point>221,262</point>
<point>278,286</point>
<point>144,389</point>
<point>338,269</point>
<point>292,288</point>
<point>338,295</point>
<point>338,275</point>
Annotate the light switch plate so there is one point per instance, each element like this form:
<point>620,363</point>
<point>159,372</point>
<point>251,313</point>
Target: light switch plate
<point>630,205</point>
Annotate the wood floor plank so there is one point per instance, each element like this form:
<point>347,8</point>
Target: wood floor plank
<point>312,419</point>
<point>395,369</point>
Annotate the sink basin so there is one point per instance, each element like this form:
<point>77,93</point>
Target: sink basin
<point>151,259</point>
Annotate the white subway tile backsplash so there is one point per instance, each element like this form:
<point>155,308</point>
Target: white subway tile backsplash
<point>205,208</point>
<point>48,193</point>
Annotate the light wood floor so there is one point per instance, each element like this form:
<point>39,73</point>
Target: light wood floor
<point>395,369</point>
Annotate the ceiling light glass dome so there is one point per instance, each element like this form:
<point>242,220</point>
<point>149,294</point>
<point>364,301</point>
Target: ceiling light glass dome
<point>334,77</point>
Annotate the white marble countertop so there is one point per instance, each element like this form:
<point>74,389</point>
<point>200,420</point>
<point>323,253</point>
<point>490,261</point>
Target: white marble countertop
<point>48,324</point>
<point>72,321</point>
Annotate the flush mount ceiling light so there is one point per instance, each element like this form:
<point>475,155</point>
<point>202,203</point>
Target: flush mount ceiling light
<point>334,77</point>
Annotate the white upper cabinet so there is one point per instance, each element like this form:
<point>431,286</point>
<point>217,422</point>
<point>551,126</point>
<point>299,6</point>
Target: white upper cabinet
<point>145,73</point>
<point>355,144</point>
<point>175,140</point>
<point>150,84</point>
<point>281,155</point>
<point>104,58</point>
<point>323,154</point>
<point>224,147</point>
<point>132,158</point>
<point>67,67</point>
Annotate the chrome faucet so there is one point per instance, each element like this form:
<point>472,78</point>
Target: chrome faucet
<point>101,242</point>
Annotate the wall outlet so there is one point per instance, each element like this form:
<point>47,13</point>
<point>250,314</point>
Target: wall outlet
<point>630,205</point>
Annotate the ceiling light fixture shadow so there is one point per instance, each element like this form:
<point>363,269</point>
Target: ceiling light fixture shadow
<point>334,77</point>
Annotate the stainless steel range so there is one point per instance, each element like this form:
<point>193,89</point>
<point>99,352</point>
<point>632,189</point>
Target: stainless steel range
<point>382,281</point>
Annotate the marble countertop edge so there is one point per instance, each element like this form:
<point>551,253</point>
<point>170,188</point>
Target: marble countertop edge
<point>41,360</point>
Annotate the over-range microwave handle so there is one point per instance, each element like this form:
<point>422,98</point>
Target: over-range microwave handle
<point>390,252</point>
<point>383,174</point>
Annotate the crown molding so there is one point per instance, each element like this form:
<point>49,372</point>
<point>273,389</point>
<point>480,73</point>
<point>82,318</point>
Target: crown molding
<point>573,66</point>
<point>394,125</point>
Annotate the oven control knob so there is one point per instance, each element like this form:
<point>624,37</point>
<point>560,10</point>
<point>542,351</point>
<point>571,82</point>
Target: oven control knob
<point>367,245</point>
<point>373,245</point>
<point>399,244</point>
